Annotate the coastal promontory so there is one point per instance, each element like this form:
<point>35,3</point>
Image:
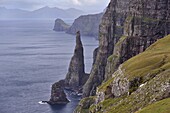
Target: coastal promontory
<point>60,25</point>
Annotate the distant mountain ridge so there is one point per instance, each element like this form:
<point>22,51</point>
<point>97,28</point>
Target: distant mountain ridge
<point>43,13</point>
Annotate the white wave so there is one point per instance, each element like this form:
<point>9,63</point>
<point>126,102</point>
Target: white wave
<point>41,102</point>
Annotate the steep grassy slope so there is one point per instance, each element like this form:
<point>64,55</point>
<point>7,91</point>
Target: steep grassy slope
<point>154,60</point>
<point>162,106</point>
<point>140,81</point>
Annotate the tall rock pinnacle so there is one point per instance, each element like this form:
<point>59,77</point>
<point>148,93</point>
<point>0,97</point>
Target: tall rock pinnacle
<point>76,76</point>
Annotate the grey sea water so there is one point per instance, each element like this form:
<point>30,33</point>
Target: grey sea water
<point>32,58</point>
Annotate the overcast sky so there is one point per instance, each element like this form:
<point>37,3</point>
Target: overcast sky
<point>85,5</point>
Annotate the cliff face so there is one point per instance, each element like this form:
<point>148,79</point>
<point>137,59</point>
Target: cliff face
<point>128,27</point>
<point>139,82</point>
<point>60,25</point>
<point>130,83</point>
<point>105,49</point>
<point>146,22</point>
<point>87,24</point>
<point>76,76</point>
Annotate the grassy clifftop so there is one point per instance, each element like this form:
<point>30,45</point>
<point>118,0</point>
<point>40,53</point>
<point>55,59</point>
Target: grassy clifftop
<point>148,78</point>
<point>157,107</point>
<point>151,62</point>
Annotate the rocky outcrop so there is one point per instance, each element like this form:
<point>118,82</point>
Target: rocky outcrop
<point>60,25</point>
<point>58,95</point>
<point>76,76</point>
<point>88,25</point>
<point>127,28</point>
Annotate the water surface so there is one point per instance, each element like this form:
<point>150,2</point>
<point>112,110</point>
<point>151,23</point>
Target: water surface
<point>32,58</point>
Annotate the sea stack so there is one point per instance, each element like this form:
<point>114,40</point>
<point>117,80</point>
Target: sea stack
<point>58,95</point>
<point>76,76</point>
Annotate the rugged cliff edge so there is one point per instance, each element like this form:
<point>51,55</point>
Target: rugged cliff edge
<point>139,83</point>
<point>88,25</point>
<point>75,78</point>
<point>127,29</point>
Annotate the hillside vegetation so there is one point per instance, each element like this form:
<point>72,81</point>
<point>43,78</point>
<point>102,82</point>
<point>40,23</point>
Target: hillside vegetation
<point>139,83</point>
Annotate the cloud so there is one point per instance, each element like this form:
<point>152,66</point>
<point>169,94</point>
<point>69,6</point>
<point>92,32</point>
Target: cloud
<point>80,2</point>
<point>76,2</point>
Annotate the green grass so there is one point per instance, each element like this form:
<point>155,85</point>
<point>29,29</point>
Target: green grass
<point>105,84</point>
<point>162,106</point>
<point>154,61</point>
<point>137,100</point>
<point>151,62</point>
<point>84,104</point>
<point>121,40</point>
<point>147,64</point>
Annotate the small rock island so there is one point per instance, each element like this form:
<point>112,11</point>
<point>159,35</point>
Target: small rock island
<point>58,95</point>
<point>60,25</point>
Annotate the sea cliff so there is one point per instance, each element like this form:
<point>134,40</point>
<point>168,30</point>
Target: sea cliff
<point>120,81</point>
<point>88,25</point>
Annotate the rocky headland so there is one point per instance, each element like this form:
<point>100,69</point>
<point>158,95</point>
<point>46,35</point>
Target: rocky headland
<point>60,25</point>
<point>88,25</point>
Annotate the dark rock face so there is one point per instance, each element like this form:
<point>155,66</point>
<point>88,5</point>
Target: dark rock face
<point>128,27</point>
<point>95,55</point>
<point>104,51</point>
<point>87,24</point>
<point>76,76</point>
<point>60,25</point>
<point>145,23</point>
<point>58,95</point>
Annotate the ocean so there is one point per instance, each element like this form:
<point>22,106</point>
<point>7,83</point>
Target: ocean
<point>32,58</point>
